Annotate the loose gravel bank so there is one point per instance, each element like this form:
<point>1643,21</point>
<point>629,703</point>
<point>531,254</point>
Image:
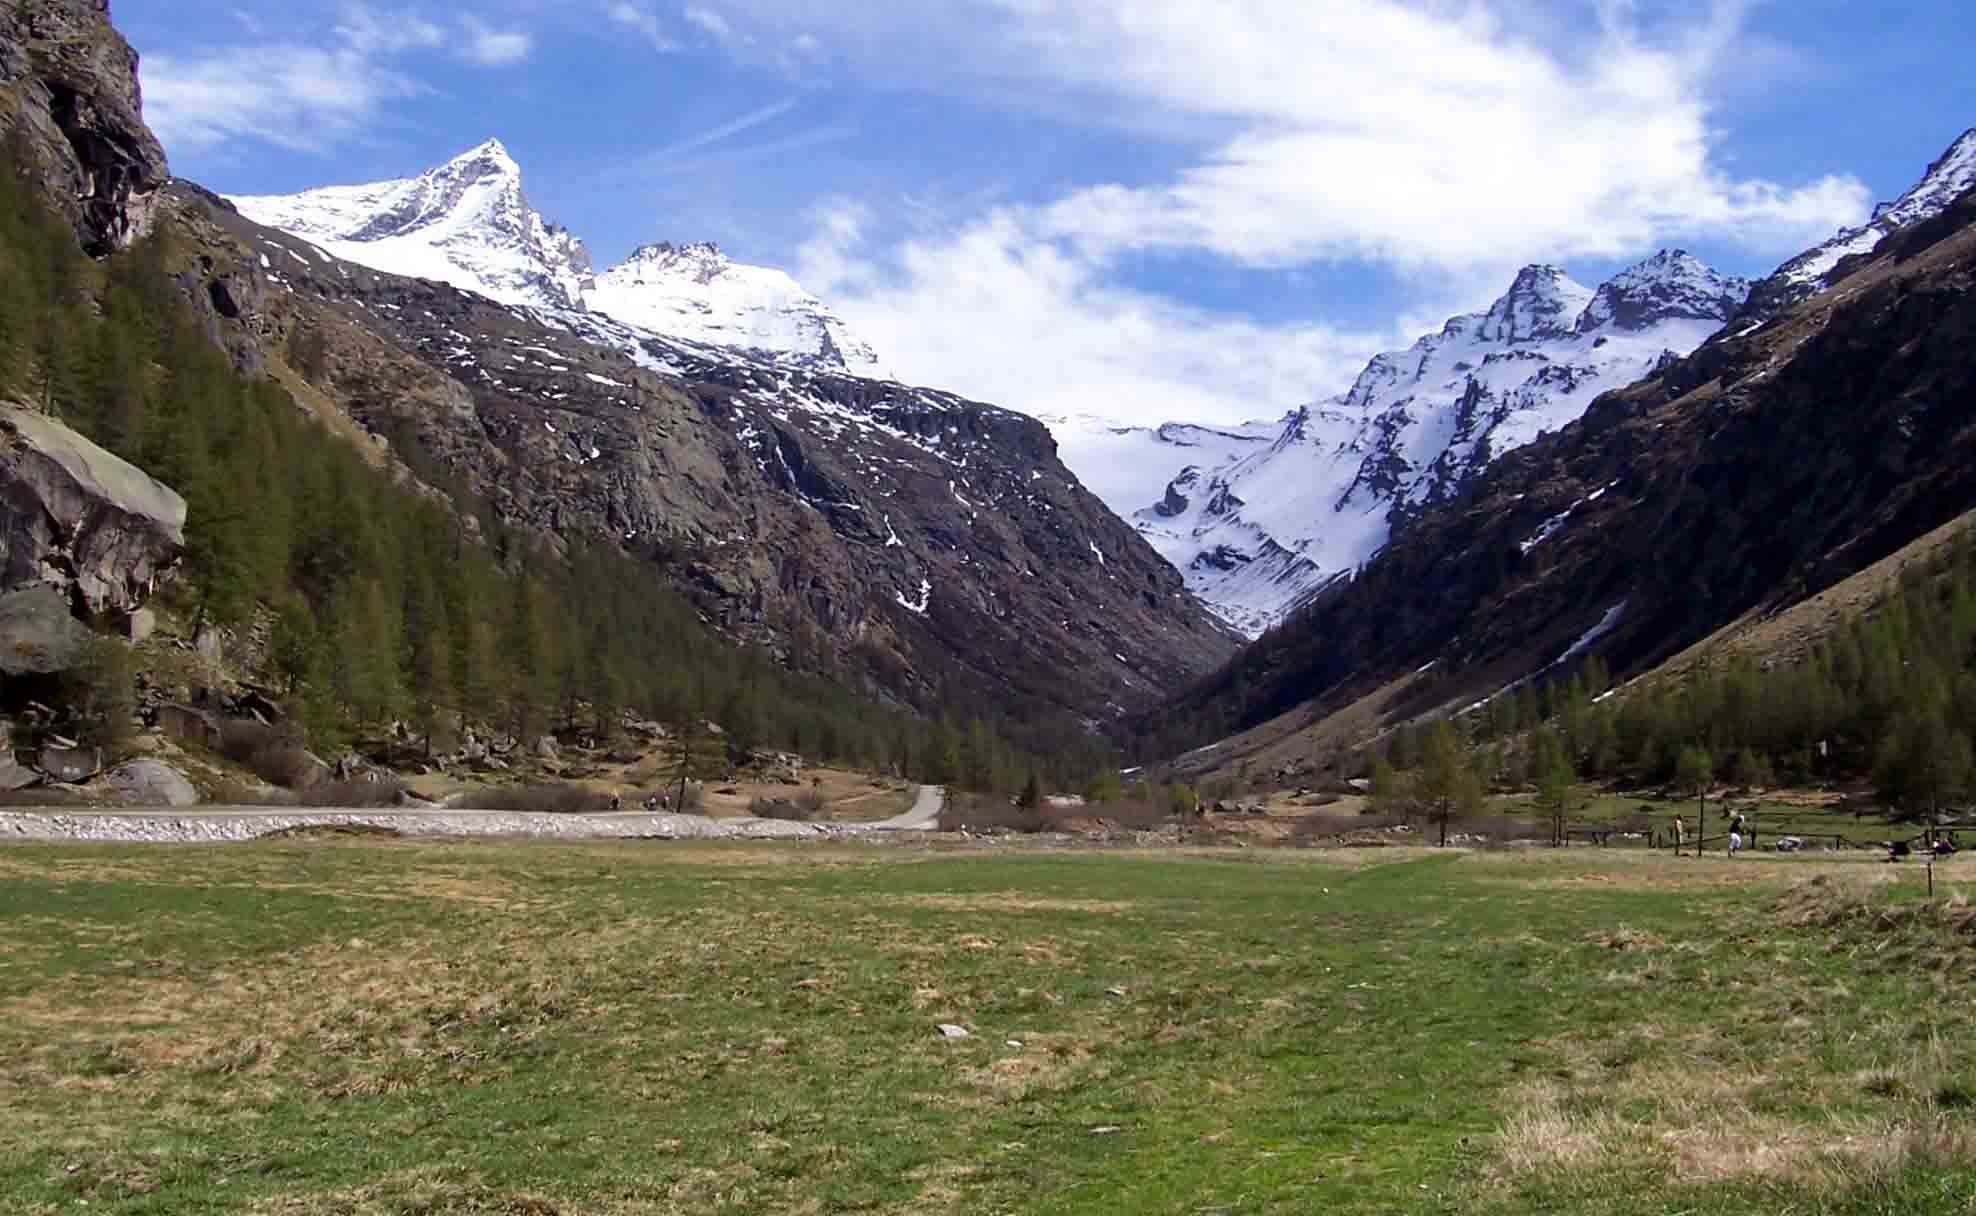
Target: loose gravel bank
<point>221,826</point>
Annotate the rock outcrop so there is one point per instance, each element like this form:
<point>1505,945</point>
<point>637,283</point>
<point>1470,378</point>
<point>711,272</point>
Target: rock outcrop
<point>151,783</point>
<point>38,635</point>
<point>79,518</point>
<point>69,100</point>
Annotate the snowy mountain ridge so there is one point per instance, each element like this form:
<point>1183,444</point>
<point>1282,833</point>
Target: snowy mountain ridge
<point>469,223</point>
<point>696,292</point>
<point>1260,524</point>
<point>1950,176</point>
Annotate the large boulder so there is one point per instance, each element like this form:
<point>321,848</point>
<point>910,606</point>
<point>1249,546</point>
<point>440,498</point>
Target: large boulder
<point>74,515</point>
<point>37,634</point>
<point>70,764</point>
<point>151,783</point>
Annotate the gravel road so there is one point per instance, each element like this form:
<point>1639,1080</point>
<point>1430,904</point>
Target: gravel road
<point>217,825</point>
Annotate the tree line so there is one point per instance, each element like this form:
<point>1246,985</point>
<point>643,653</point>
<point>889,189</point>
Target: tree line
<point>1887,698</point>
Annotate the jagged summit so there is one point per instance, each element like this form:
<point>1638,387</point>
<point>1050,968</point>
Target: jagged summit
<point>1951,175</point>
<point>469,223</point>
<point>1543,302</point>
<point>1671,285</point>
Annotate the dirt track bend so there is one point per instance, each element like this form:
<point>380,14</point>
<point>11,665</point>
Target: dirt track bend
<point>218,825</point>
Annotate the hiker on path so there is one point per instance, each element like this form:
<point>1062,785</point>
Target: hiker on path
<point>1736,834</point>
<point>1680,835</point>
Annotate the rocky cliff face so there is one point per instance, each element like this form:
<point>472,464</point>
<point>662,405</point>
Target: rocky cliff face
<point>80,519</point>
<point>932,548</point>
<point>1770,464</point>
<point>69,100</point>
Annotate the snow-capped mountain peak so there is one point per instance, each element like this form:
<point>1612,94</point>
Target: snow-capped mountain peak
<point>1671,285</point>
<point>1276,519</point>
<point>468,222</point>
<point>696,292</point>
<point>1543,302</point>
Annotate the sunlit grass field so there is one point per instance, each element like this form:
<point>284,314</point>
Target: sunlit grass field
<point>391,1028</point>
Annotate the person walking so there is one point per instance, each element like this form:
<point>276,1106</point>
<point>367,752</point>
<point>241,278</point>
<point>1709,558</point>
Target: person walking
<point>1680,835</point>
<point>1736,834</point>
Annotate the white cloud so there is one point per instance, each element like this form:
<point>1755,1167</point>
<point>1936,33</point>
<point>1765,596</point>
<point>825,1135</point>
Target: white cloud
<point>710,21</point>
<point>1443,144</point>
<point>994,311</point>
<point>365,33</point>
<point>297,97</point>
<point>1367,129</point>
<point>645,22</point>
<point>309,95</point>
<point>495,48</point>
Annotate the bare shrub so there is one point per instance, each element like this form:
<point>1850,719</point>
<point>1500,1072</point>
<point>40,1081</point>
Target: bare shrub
<point>235,793</point>
<point>277,754</point>
<point>1507,829</point>
<point>362,795</point>
<point>778,808</point>
<point>1131,814</point>
<point>555,798</point>
<point>39,796</point>
<point>979,813</point>
<point>1310,829</point>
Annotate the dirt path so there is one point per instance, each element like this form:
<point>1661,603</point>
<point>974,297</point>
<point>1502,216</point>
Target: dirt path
<point>214,825</point>
<point>924,817</point>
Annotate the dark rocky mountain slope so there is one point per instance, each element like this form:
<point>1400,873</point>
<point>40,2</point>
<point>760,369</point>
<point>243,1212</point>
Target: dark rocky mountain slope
<point>926,549</point>
<point>1773,462</point>
<point>933,549</point>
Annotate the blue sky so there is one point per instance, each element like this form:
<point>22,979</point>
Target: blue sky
<point>1137,208</point>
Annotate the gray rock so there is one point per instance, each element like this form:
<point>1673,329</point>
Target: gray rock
<point>314,771</point>
<point>140,625</point>
<point>70,764</point>
<point>547,749</point>
<point>190,724</point>
<point>16,776</point>
<point>37,634</point>
<point>152,783</point>
<point>74,513</point>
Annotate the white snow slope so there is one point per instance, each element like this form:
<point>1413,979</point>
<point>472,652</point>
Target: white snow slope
<point>1261,525</point>
<point>695,292</point>
<point>468,223</point>
<point>1951,176</point>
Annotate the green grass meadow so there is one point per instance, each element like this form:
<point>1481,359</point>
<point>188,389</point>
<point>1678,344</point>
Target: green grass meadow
<point>390,1028</point>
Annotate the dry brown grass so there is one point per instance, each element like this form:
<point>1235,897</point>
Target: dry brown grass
<point>1705,1124</point>
<point>1017,901</point>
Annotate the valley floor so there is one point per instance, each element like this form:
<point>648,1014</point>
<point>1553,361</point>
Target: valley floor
<point>558,1028</point>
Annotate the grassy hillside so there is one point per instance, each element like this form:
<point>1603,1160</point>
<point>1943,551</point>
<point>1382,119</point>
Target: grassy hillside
<point>305,1028</point>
